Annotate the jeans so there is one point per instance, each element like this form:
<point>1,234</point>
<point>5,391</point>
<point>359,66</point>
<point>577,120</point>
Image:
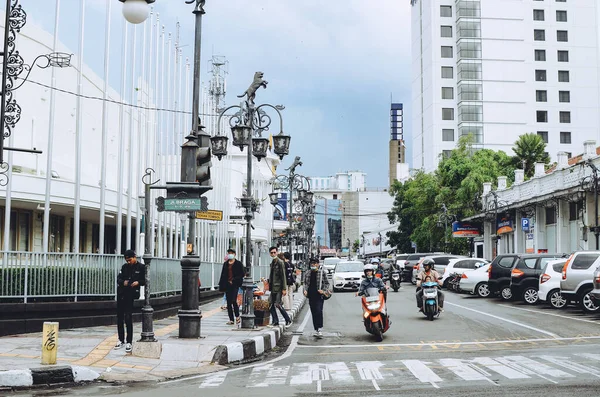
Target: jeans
<point>276,304</point>
<point>316,310</point>
<point>232,305</point>
<point>420,298</point>
<point>124,315</point>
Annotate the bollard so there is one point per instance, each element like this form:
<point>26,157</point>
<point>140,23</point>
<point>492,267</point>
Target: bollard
<point>49,343</point>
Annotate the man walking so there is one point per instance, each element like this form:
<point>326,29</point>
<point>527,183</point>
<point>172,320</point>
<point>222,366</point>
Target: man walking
<point>278,286</point>
<point>232,277</point>
<point>316,286</point>
<point>288,299</point>
<point>129,280</point>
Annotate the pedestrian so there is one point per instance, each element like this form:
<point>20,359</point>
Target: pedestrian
<point>316,287</point>
<point>232,276</point>
<point>288,300</point>
<point>278,287</point>
<point>129,280</point>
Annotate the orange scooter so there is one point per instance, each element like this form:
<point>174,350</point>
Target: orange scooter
<point>375,315</point>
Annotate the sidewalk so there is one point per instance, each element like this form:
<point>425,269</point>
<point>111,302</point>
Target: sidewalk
<point>87,353</point>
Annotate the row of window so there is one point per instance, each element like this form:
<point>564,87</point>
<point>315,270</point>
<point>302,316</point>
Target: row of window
<point>565,136</point>
<point>540,15</point>
<point>542,96</point>
<point>561,55</point>
<point>561,35</point>
<point>564,117</point>
<point>542,75</point>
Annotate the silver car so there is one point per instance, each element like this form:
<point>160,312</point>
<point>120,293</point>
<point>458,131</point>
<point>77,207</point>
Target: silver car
<point>576,282</point>
<point>595,294</point>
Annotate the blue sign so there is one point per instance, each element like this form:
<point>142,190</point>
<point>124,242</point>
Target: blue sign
<point>525,224</point>
<point>413,244</point>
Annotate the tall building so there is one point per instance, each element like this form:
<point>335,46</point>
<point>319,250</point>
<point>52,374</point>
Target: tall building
<point>499,69</point>
<point>397,146</point>
<point>342,181</point>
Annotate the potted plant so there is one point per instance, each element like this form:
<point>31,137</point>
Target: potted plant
<point>261,312</point>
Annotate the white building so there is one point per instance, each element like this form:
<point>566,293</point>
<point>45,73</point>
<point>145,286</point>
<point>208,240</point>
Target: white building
<point>499,69</point>
<point>350,181</point>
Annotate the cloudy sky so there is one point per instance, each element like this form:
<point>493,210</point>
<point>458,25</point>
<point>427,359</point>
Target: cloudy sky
<point>334,64</point>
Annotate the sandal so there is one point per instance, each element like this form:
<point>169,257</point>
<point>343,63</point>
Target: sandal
<point>238,320</point>
<point>229,323</point>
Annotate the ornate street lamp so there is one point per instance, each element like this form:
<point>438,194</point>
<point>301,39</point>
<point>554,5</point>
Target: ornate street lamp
<point>136,11</point>
<point>219,145</point>
<point>274,198</point>
<point>260,147</point>
<point>241,136</point>
<point>443,219</point>
<point>281,145</point>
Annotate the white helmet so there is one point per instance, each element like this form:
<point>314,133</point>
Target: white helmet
<point>370,267</point>
<point>375,260</point>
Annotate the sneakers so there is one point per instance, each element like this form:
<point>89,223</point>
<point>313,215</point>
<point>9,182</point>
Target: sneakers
<point>273,325</point>
<point>128,348</point>
<point>229,323</point>
<point>288,323</point>
<point>320,333</point>
<point>315,334</point>
<point>119,345</point>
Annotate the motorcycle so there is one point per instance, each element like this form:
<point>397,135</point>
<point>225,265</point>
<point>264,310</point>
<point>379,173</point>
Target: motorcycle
<point>395,280</point>
<point>453,281</point>
<point>375,315</point>
<point>431,308</point>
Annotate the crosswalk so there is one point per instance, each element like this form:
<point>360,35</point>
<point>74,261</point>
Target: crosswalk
<point>435,373</point>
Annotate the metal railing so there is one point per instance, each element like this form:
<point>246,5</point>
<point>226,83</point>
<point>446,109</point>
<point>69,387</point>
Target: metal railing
<point>31,275</point>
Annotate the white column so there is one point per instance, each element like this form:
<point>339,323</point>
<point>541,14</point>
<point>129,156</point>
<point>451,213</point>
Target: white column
<point>78,132</point>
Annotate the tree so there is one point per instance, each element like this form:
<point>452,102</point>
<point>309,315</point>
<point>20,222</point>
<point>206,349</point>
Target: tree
<point>530,149</point>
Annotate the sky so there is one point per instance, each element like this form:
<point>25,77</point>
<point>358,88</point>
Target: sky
<point>335,65</point>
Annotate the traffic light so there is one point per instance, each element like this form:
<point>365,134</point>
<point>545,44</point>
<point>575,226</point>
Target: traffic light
<point>203,165</point>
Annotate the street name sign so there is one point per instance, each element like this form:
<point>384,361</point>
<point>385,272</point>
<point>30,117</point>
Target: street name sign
<point>188,204</point>
<point>210,215</point>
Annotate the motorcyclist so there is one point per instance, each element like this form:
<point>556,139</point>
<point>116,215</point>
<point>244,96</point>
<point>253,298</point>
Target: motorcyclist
<point>432,275</point>
<point>370,281</point>
<point>377,267</point>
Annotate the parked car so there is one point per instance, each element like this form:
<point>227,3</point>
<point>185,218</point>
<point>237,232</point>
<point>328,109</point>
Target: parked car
<point>440,263</point>
<point>501,272</point>
<point>461,265</point>
<point>410,262</point>
<point>330,263</point>
<point>525,277</point>
<point>595,294</point>
<point>476,282</point>
<point>576,282</point>
<point>549,291</point>
<point>347,275</point>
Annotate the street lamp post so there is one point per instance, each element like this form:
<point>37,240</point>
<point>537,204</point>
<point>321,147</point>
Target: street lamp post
<point>247,126</point>
<point>380,245</point>
<point>443,219</point>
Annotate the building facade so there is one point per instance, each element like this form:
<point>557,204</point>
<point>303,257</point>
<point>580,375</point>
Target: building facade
<point>397,146</point>
<point>498,69</point>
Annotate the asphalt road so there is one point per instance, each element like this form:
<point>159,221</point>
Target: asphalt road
<point>478,347</point>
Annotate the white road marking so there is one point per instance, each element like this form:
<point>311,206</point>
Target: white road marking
<point>214,380</point>
<point>420,370</point>
<point>465,370</point>
<point>547,313</point>
<point>506,320</point>
<point>339,372</point>
<point>369,370</point>
<point>518,367</point>
<point>501,369</point>
<point>589,355</point>
<point>577,368</point>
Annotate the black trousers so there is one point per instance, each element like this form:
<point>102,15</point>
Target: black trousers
<point>316,310</point>
<point>231,294</point>
<point>124,315</point>
<point>276,304</point>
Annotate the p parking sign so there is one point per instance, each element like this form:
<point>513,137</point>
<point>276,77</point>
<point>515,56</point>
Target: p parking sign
<point>525,224</point>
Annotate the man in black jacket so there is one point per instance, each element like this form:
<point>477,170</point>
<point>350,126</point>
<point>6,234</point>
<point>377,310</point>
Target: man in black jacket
<point>232,277</point>
<point>129,280</point>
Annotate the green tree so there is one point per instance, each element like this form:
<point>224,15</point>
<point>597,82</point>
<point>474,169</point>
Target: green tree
<point>529,149</point>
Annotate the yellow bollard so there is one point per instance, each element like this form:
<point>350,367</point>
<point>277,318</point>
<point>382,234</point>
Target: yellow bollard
<point>49,343</point>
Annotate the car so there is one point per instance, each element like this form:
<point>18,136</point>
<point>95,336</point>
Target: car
<point>330,263</point>
<point>410,262</point>
<point>595,294</point>
<point>400,260</point>
<point>461,265</point>
<point>525,278</point>
<point>476,282</point>
<point>501,272</point>
<point>348,275</point>
<point>549,287</point>
<point>440,263</point>
<point>576,283</point>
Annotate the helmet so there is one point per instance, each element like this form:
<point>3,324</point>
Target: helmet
<point>368,267</point>
<point>428,262</point>
<point>375,260</point>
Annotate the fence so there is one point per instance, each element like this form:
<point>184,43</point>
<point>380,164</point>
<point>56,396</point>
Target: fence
<point>28,275</point>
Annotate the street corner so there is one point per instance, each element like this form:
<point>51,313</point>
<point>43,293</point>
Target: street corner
<point>247,349</point>
<point>47,375</point>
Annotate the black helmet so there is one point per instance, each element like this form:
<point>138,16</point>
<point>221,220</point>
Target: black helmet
<point>428,262</point>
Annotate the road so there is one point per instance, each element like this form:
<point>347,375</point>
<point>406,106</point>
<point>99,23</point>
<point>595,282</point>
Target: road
<point>478,347</point>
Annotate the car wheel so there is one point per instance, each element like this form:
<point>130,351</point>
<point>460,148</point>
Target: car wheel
<point>506,293</point>
<point>556,300</point>
<point>482,290</point>
<point>530,296</point>
<point>335,289</point>
<point>587,304</point>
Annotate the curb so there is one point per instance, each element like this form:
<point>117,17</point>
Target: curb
<point>251,348</point>
<point>46,376</point>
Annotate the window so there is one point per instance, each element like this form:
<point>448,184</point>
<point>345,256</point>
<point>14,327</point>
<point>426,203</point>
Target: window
<point>543,135</point>
<point>447,113</point>
<point>507,261</point>
<point>564,117</point>
<point>540,55</point>
<point>563,56</point>
<point>447,93</point>
<point>550,216</point>
<point>530,262</point>
<point>540,75</point>
<point>448,135</point>
<point>446,51</point>
<point>539,35</point>
<point>335,197</point>
<point>574,208</point>
<point>446,153</point>
<point>541,96</point>
<point>542,116</point>
<point>19,236</point>
<point>446,11</point>
<point>447,72</point>
<point>563,76</point>
<point>562,35</point>
<point>564,96</point>
<point>565,137</point>
<point>584,261</point>
<point>446,31</point>
<point>538,15</point>
<point>561,16</point>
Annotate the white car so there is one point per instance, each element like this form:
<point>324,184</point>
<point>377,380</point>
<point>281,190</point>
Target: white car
<point>330,263</point>
<point>348,275</point>
<point>549,290</point>
<point>460,266</point>
<point>440,263</point>
<point>476,282</point>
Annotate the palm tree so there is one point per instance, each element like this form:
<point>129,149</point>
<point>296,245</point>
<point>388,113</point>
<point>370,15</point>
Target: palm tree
<point>529,149</point>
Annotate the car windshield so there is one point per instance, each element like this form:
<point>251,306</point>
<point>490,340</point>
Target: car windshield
<point>349,267</point>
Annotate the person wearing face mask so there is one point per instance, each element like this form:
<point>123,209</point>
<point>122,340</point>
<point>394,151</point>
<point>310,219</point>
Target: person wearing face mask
<point>232,276</point>
<point>316,285</point>
<point>370,281</point>
<point>278,287</point>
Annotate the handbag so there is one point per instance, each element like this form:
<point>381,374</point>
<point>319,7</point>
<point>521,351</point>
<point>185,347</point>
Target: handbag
<point>326,294</point>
